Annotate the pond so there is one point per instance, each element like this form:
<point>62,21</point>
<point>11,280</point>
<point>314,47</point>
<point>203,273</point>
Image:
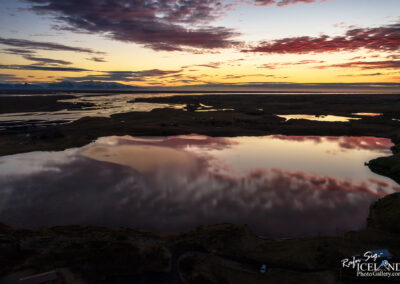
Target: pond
<point>101,106</point>
<point>281,186</point>
<point>105,105</point>
<point>325,118</point>
<point>367,114</point>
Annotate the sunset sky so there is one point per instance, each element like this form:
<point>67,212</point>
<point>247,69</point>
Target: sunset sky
<point>189,42</point>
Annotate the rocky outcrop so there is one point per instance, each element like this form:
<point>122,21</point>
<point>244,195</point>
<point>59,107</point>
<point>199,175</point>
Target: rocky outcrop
<point>388,166</point>
<point>222,253</point>
<point>385,214</point>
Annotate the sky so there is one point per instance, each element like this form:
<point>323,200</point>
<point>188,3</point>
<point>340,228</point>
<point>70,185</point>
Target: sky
<point>210,42</point>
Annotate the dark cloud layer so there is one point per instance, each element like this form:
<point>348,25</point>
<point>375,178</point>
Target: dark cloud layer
<point>44,60</point>
<point>213,65</point>
<point>127,76</point>
<point>283,64</point>
<point>41,68</point>
<point>283,3</point>
<point>160,25</point>
<point>362,75</point>
<point>232,76</point>
<point>172,25</point>
<point>38,45</point>
<point>97,59</point>
<point>30,55</point>
<point>375,39</point>
<point>17,51</point>
<point>365,65</point>
<point>6,78</point>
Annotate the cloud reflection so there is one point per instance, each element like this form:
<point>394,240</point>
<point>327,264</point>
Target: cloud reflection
<point>346,142</point>
<point>175,196</point>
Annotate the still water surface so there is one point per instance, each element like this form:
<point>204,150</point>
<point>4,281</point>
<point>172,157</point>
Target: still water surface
<point>282,186</point>
<point>105,105</point>
<point>325,118</point>
<point>101,105</point>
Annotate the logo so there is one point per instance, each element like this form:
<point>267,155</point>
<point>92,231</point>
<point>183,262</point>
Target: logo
<point>374,263</point>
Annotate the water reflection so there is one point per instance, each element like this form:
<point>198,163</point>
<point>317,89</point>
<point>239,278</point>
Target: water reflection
<point>367,143</point>
<point>326,118</point>
<point>281,186</point>
<point>199,107</point>
<point>99,106</point>
<point>105,105</point>
<point>368,114</point>
<point>102,106</point>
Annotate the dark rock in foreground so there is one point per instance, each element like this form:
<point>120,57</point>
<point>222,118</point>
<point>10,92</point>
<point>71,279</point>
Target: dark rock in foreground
<point>387,166</point>
<point>385,214</point>
<point>222,253</point>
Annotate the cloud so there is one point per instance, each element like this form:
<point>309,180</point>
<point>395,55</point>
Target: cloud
<point>385,38</point>
<point>42,68</point>
<point>160,25</point>
<point>283,64</point>
<point>30,55</point>
<point>358,58</point>
<point>230,76</point>
<point>167,25</point>
<point>362,75</point>
<point>365,65</point>
<point>38,45</point>
<point>393,56</point>
<point>97,59</point>
<point>125,75</point>
<point>216,65</point>
<point>17,51</point>
<point>7,78</point>
<point>43,60</point>
<point>213,65</point>
<point>283,3</point>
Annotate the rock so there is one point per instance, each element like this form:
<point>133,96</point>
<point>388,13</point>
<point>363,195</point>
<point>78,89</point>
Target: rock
<point>385,214</point>
<point>387,166</point>
<point>4,227</point>
<point>222,253</point>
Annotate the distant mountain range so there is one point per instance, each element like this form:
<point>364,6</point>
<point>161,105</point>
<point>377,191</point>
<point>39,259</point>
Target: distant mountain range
<point>67,85</point>
<point>249,87</point>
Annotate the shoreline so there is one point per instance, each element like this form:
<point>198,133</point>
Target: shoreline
<point>249,117</point>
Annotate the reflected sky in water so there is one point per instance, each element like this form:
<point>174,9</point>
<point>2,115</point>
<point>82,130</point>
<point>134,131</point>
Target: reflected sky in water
<point>325,118</point>
<point>282,186</point>
<point>102,106</point>
<point>368,114</point>
<point>105,105</point>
